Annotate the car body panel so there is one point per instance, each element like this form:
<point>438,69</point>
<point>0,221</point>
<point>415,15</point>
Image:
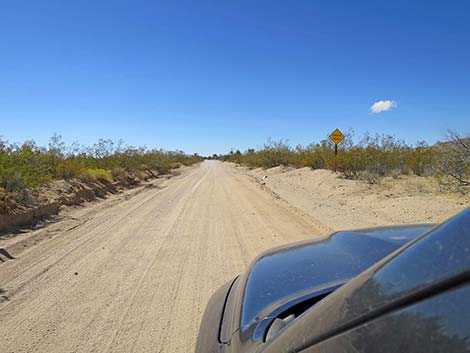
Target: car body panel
<point>208,339</point>
<point>433,263</point>
<point>439,324</point>
<point>284,276</point>
<point>341,256</point>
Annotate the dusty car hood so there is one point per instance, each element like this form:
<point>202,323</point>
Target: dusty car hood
<point>283,272</point>
<point>434,266</point>
<point>292,275</point>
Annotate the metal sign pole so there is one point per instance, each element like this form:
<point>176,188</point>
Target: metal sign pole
<point>336,137</point>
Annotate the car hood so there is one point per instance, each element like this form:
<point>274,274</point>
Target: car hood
<point>286,275</point>
<point>285,271</point>
<point>434,263</point>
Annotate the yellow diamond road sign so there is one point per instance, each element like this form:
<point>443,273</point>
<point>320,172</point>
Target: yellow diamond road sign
<point>336,136</point>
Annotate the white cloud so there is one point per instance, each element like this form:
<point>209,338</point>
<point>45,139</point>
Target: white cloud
<point>382,106</point>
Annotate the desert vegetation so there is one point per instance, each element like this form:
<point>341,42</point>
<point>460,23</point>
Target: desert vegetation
<point>369,158</point>
<point>28,166</point>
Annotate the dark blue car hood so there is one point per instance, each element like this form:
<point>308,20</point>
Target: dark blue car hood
<point>290,300</point>
<point>287,272</point>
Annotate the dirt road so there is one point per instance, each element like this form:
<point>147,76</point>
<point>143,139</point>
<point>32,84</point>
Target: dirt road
<point>134,275</point>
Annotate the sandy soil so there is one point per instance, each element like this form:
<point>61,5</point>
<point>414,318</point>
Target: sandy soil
<point>337,203</point>
<point>133,273</point>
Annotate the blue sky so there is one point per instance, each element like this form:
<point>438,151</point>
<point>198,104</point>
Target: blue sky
<point>208,76</point>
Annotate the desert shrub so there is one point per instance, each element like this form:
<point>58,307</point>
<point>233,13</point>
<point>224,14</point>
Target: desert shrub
<point>141,175</point>
<point>369,177</point>
<point>250,158</point>
<point>421,159</point>
<point>186,159</point>
<point>30,166</point>
<point>382,154</point>
<point>317,156</point>
<point>23,166</point>
<point>350,162</point>
<point>70,168</point>
<point>276,153</point>
<point>370,159</point>
<point>55,153</point>
<point>118,173</point>
<point>378,156</point>
<point>13,181</point>
<point>160,165</point>
<point>98,174</point>
<point>454,161</point>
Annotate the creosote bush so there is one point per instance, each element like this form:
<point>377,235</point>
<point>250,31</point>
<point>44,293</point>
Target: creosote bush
<point>98,174</point>
<point>27,165</point>
<point>368,158</point>
<point>454,165</point>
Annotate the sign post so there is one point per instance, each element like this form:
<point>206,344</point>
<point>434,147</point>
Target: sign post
<point>336,136</point>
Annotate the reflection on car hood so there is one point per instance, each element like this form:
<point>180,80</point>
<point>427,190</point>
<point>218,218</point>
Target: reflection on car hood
<point>285,271</point>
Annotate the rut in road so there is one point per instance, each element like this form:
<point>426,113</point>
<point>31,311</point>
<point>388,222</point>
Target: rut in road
<point>137,276</point>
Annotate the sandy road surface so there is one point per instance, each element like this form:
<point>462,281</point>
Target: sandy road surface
<point>135,275</point>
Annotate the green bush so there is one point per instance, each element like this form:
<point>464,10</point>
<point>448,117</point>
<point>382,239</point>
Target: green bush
<point>371,158</point>
<point>29,166</point>
<point>316,156</point>
<point>70,168</point>
<point>422,159</point>
<point>98,174</point>
<point>23,166</point>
